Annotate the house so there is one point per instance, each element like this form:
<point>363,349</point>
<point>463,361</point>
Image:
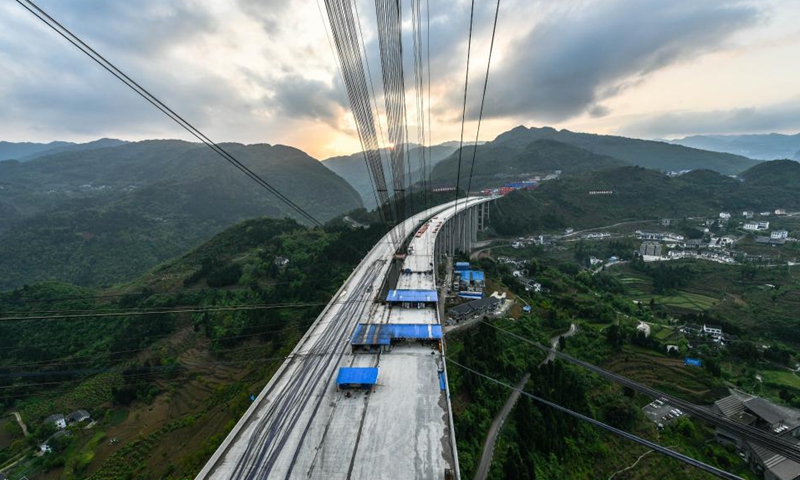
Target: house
<point>78,416</point>
<point>780,211</point>
<point>671,348</point>
<point>644,328</point>
<point>747,214</point>
<point>56,419</point>
<point>770,241</point>
<point>724,216</point>
<point>475,307</point>
<point>765,214</point>
<point>569,230</point>
<point>650,249</point>
<point>779,234</point>
<point>713,330</point>
<point>281,261</point>
<point>594,261</point>
<point>666,222</point>
<point>756,226</point>
<point>766,416</point>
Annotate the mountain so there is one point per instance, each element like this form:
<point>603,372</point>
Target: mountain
<point>644,153</point>
<point>761,146</point>
<point>498,163</point>
<point>640,193</point>
<point>102,216</point>
<point>79,147</point>
<point>10,150</point>
<point>353,169</point>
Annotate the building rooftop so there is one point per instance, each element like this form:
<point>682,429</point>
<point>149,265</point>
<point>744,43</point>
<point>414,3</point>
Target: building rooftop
<point>412,296</point>
<point>357,376</point>
<point>474,305</point>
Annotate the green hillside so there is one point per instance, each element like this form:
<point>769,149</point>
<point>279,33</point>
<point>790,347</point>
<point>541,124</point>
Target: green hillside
<point>498,163</point>
<point>640,193</point>
<point>107,215</point>
<point>644,153</point>
<point>167,386</point>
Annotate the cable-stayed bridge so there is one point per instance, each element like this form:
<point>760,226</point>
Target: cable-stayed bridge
<point>386,316</point>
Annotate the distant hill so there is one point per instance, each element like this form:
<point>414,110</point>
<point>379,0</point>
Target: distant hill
<point>644,153</point>
<point>497,163</point>
<point>11,150</point>
<point>79,147</point>
<point>640,193</point>
<point>762,147</point>
<point>106,215</point>
<point>353,169</point>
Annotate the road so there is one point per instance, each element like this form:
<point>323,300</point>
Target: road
<point>21,423</point>
<point>500,418</point>
<point>302,426</point>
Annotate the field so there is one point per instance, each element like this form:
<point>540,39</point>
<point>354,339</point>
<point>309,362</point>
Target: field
<point>639,289</point>
<point>781,379</point>
<point>665,373</point>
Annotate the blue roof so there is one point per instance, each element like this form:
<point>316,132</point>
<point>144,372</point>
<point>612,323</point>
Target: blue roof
<point>467,294</point>
<point>472,275</point>
<point>384,333</point>
<point>462,265</point>
<point>357,376</point>
<point>412,296</point>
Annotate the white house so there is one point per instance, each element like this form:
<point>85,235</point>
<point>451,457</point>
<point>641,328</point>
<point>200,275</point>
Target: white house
<point>58,420</point>
<point>724,215</point>
<point>779,234</point>
<point>645,328</point>
<point>712,330</point>
<point>780,211</point>
<point>747,214</point>
<point>755,226</point>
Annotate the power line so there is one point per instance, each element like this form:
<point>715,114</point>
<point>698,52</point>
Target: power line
<point>647,443</point>
<point>464,108</point>
<point>120,75</point>
<point>773,443</point>
<point>483,97</point>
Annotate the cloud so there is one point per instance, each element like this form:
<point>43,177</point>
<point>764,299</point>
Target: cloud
<point>294,96</point>
<point>572,60</point>
<point>783,117</point>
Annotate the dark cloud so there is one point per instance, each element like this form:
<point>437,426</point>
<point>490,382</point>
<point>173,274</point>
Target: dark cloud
<point>783,117</point>
<point>267,12</point>
<point>569,62</point>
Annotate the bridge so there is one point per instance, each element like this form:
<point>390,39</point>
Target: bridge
<point>382,334</point>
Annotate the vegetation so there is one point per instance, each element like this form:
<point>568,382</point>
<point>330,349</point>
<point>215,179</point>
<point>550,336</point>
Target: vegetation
<point>171,383</point>
<point>640,194</point>
<point>107,215</point>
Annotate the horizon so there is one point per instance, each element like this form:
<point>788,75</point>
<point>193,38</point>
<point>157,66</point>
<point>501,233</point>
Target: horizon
<point>241,74</point>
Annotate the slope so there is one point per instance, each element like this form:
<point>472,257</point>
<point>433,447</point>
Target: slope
<point>644,153</point>
<point>106,215</point>
<point>497,163</point>
<point>12,150</point>
<point>762,147</point>
<point>640,193</point>
<point>353,169</point>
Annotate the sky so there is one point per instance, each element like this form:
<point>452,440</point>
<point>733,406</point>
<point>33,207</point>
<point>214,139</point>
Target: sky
<point>264,71</point>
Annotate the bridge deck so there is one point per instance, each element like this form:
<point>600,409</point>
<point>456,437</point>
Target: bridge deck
<point>302,426</point>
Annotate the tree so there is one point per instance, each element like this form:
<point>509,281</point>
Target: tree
<point>562,343</point>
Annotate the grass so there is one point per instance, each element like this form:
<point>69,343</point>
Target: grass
<point>780,378</point>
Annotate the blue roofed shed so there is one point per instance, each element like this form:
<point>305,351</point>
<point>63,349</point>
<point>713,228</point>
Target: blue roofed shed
<point>412,296</point>
<point>462,266</point>
<point>379,334</point>
<point>357,377</point>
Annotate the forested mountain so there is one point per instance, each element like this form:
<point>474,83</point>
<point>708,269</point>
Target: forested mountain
<point>29,151</point>
<point>9,150</point>
<point>644,153</point>
<point>640,193</point>
<point>498,163</point>
<point>763,147</point>
<point>353,169</point>
<point>106,215</point>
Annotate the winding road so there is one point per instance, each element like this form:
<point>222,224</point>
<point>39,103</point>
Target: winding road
<point>500,418</point>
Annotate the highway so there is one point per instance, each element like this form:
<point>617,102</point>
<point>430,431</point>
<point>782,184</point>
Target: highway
<point>302,426</point>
